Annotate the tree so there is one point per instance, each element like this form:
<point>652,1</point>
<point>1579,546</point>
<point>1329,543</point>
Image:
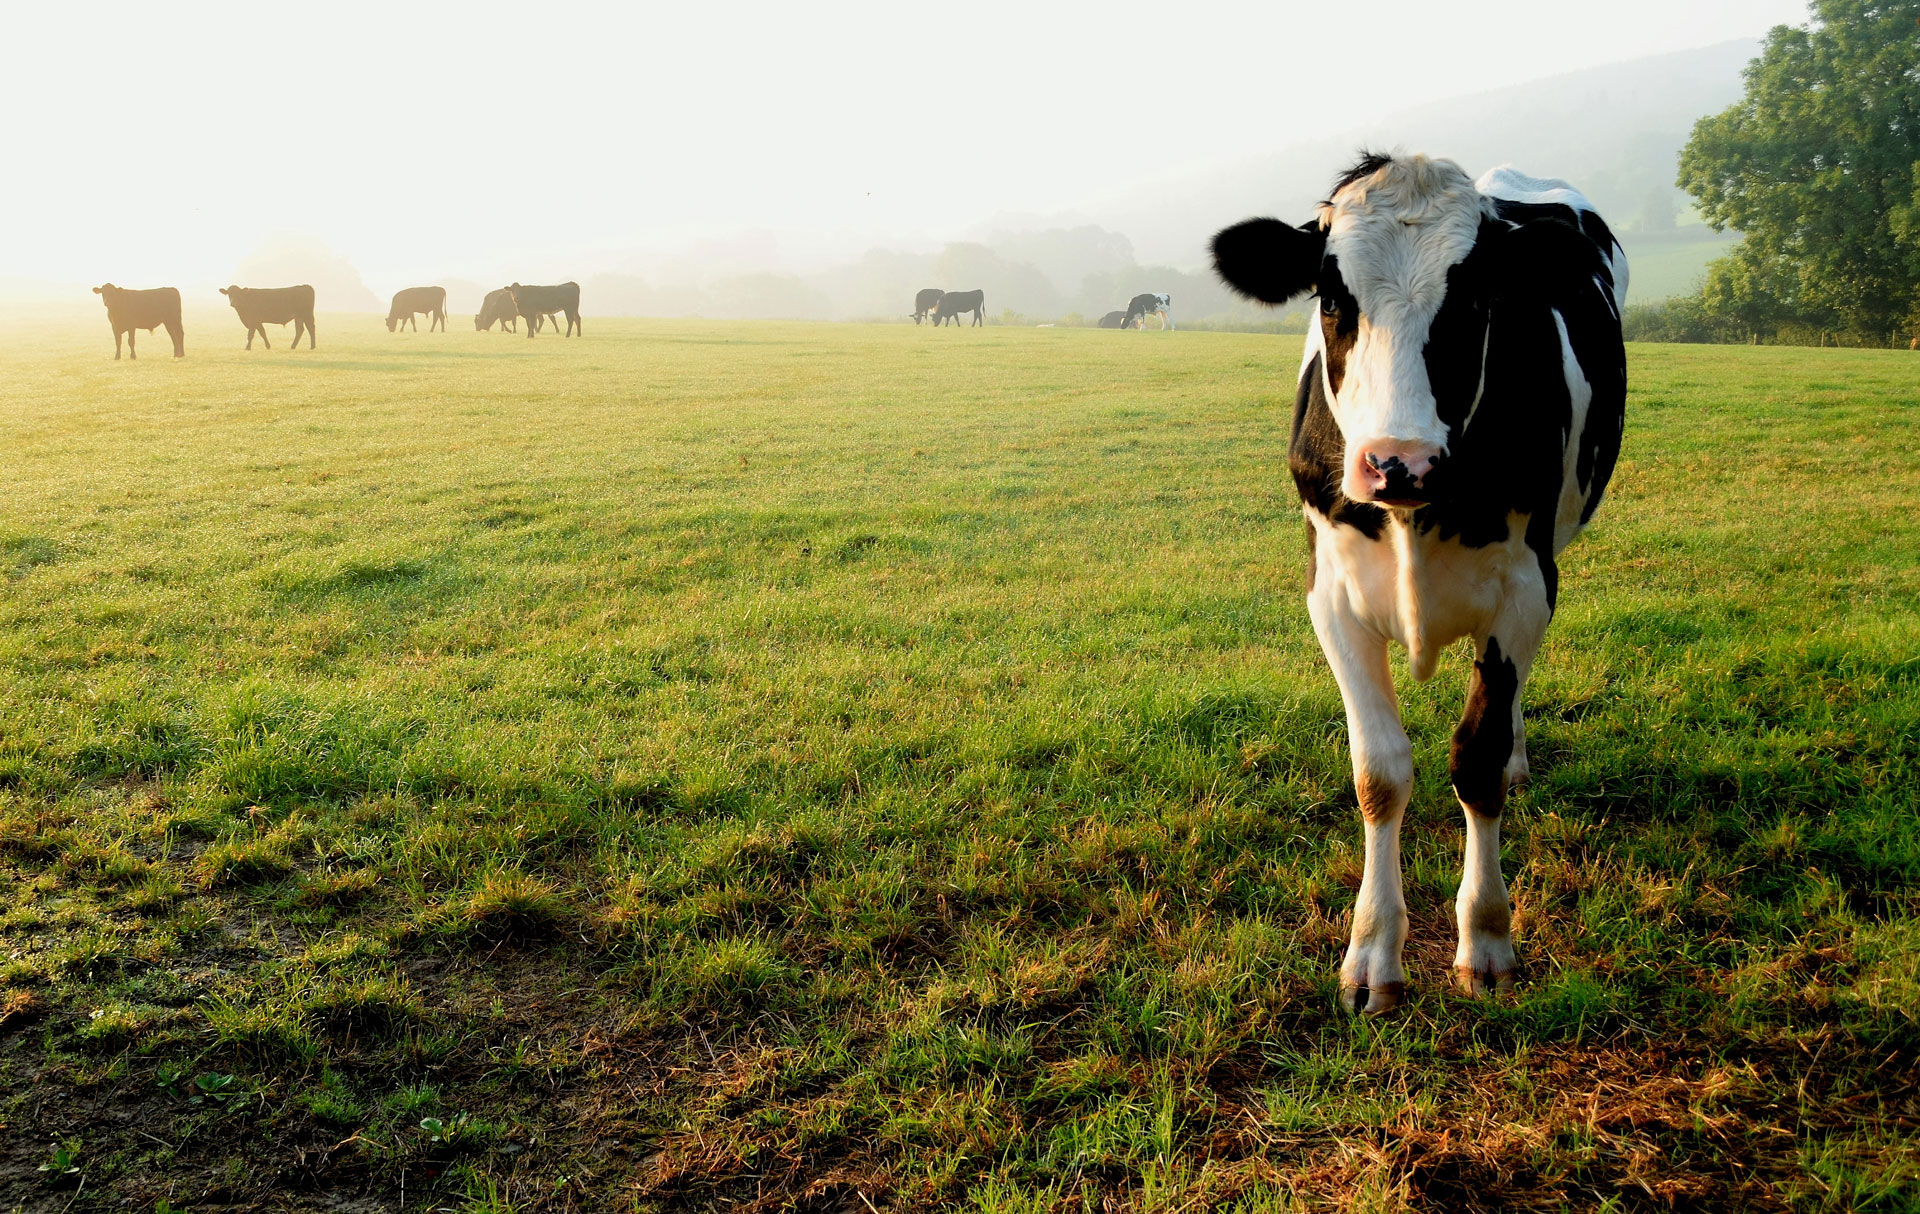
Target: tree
<point>1819,166</point>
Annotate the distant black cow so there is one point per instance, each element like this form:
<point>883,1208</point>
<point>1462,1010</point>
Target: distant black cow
<point>149,310</point>
<point>532,302</point>
<point>924,301</point>
<point>262,306</point>
<point>952,304</point>
<point>1142,306</point>
<point>1113,320</point>
<point>414,300</point>
<point>498,305</point>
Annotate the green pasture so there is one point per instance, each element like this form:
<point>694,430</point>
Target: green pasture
<point>840,768</point>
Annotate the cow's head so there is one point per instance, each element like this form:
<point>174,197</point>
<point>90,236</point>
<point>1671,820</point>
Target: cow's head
<point>105,288</point>
<point>1402,325</point>
<point>232,293</point>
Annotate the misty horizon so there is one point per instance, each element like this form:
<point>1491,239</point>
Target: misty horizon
<point>275,211</point>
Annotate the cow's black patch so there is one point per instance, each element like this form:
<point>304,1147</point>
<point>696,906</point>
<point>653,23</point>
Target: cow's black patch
<point>1315,455</point>
<point>1339,320</point>
<point>1597,231</point>
<point>1267,260</point>
<point>1483,743</point>
<point>1456,347</point>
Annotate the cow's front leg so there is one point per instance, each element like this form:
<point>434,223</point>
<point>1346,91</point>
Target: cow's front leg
<point>1485,747</point>
<point>1371,977</point>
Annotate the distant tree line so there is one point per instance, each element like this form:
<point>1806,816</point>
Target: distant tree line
<point>1818,167</point>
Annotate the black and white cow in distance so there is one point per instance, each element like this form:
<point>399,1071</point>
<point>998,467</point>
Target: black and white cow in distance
<point>259,307</point>
<point>1459,411</point>
<point>149,310</point>
<point>1142,306</point>
<point>924,301</point>
<point>953,304</point>
<point>410,301</point>
<point>534,302</point>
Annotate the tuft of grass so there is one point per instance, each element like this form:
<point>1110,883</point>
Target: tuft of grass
<point>269,1030</point>
<point>248,860</point>
<point>728,972</point>
<point>338,889</point>
<point>508,902</point>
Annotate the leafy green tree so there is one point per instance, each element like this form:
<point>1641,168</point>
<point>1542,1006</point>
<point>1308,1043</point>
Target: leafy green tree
<point>1819,166</point>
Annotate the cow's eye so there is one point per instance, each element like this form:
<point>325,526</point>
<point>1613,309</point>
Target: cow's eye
<point>1329,306</point>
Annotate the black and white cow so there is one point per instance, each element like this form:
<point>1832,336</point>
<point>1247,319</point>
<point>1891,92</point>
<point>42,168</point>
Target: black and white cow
<point>1142,306</point>
<point>1458,416</point>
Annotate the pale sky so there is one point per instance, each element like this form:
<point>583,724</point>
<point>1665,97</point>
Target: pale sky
<point>162,141</point>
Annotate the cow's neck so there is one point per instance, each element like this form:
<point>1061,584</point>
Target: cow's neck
<point>1444,589</point>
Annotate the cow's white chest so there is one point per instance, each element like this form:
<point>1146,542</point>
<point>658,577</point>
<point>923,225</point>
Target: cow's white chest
<point>1418,589</point>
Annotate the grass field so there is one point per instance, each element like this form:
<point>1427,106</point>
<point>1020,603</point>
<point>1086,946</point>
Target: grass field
<point>766,766</point>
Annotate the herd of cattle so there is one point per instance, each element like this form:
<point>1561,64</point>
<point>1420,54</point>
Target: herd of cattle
<point>1457,415</point>
<point>943,306</point>
<point>159,308</point>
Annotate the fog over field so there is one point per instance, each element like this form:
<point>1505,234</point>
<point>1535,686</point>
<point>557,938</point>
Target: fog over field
<point>820,163</point>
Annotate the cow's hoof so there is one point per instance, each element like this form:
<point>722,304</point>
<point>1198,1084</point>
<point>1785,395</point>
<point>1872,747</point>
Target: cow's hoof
<point>1479,982</point>
<point>1372,1000</point>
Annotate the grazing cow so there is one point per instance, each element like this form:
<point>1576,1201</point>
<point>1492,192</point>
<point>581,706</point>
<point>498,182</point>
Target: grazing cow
<point>497,306</point>
<point>259,307</point>
<point>1113,320</point>
<point>1459,411</point>
<point>413,300</point>
<point>533,302</point>
<point>952,304</point>
<point>1142,306</point>
<point>149,310</point>
<point>923,303</point>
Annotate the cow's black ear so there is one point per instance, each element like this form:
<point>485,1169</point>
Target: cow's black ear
<point>1267,260</point>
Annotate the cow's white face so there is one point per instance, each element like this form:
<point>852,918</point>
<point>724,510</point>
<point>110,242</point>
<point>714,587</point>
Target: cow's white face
<point>1389,247</point>
<point>1379,257</point>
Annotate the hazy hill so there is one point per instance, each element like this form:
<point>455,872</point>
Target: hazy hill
<point>1614,131</point>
